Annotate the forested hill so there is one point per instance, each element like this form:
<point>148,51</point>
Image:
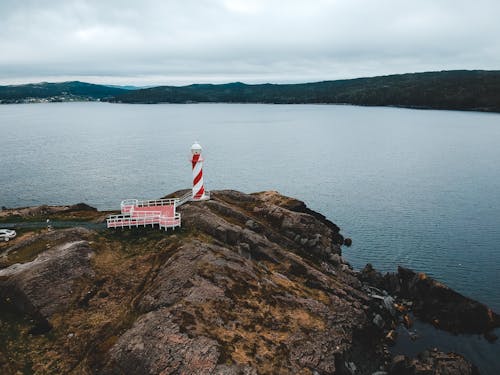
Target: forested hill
<point>63,91</point>
<point>475,90</point>
<point>459,90</point>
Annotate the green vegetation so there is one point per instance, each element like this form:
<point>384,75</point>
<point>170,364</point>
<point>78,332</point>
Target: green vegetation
<point>25,253</point>
<point>471,90</point>
<point>56,92</point>
<point>457,90</point>
<point>14,334</point>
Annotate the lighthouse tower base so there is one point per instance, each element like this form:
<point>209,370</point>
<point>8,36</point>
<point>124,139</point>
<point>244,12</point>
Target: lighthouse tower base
<point>204,197</point>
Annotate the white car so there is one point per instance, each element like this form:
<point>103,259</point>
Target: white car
<point>7,234</point>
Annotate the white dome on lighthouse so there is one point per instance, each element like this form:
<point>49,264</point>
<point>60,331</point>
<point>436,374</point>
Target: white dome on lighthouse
<point>196,148</point>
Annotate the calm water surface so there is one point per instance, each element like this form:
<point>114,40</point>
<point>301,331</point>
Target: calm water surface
<point>413,188</point>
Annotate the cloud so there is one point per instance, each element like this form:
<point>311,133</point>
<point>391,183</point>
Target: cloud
<point>172,42</point>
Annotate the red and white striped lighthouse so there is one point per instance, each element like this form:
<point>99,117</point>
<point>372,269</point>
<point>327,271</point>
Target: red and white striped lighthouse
<point>197,162</point>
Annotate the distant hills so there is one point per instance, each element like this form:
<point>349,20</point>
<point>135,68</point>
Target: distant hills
<point>57,92</point>
<point>474,90</point>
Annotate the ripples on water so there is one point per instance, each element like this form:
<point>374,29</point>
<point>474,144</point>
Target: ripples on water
<point>413,188</point>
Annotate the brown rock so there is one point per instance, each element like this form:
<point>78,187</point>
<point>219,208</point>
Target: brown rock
<point>212,291</point>
<point>44,286</point>
<point>260,221</point>
<point>81,207</point>
<point>435,302</point>
<point>264,302</point>
<point>371,276</point>
<point>252,284</point>
<point>155,345</point>
<point>432,363</point>
<point>400,365</point>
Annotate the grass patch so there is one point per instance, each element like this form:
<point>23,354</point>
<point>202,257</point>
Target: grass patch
<point>14,339</point>
<point>12,219</point>
<point>26,253</point>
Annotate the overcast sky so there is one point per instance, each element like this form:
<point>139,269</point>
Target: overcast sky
<point>152,42</point>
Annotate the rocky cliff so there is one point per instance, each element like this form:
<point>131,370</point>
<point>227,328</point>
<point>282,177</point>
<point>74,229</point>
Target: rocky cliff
<point>251,284</point>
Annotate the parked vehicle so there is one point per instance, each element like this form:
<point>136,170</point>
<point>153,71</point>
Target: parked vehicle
<point>7,234</point>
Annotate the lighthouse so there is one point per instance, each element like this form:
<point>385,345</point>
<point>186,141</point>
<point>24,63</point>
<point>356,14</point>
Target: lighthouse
<point>197,162</point>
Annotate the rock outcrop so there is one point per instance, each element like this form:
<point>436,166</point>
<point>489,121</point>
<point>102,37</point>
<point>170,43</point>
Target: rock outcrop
<point>251,284</point>
<point>432,362</point>
<point>43,286</point>
<point>253,291</point>
<point>434,302</point>
<point>28,212</point>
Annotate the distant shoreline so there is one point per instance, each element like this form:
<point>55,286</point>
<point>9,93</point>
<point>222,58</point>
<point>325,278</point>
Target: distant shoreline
<point>462,90</point>
<point>479,110</point>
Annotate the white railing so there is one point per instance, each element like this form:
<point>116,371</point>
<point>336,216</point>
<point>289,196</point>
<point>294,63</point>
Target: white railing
<point>143,219</point>
<point>170,222</point>
<point>128,203</point>
<point>157,202</point>
<point>134,213</point>
<point>132,216</point>
<point>189,196</point>
<point>115,221</point>
<point>185,198</point>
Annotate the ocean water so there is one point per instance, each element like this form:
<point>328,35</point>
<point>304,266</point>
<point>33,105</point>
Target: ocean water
<point>410,187</point>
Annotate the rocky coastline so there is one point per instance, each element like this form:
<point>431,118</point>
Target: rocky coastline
<point>251,284</point>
